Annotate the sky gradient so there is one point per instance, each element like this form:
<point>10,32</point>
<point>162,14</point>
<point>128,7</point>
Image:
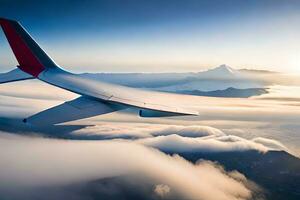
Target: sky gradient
<point>160,36</point>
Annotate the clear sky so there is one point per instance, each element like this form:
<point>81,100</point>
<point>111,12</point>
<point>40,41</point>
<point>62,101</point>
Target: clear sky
<point>160,36</point>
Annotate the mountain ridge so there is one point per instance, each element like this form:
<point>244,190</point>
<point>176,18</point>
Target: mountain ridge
<point>219,78</point>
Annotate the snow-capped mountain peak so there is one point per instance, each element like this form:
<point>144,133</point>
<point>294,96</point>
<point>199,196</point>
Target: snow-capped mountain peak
<point>223,71</point>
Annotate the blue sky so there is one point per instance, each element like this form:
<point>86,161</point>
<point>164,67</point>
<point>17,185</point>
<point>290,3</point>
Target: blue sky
<point>160,36</point>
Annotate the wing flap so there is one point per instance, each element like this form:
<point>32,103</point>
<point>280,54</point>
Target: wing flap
<point>14,75</point>
<point>80,108</point>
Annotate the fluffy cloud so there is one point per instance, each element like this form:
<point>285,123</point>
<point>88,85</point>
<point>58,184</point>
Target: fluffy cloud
<point>271,144</point>
<point>34,89</point>
<point>175,138</point>
<point>162,190</point>
<point>28,162</point>
<point>175,143</point>
<point>188,131</point>
<point>138,130</point>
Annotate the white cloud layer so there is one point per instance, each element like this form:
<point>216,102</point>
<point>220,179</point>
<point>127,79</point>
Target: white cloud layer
<point>138,130</point>
<point>28,162</point>
<point>274,115</point>
<point>175,138</point>
<point>175,143</point>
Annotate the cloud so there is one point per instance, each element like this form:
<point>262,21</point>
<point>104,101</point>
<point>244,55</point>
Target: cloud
<point>33,163</point>
<point>34,89</point>
<point>138,130</point>
<point>256,117</point>
<point>205,139</point>
<point>175,138</point>
<point>271,144</point>
<point>162,190</point>
<point>30,162</point>
<point>175,143</point>
<point>188,131</point>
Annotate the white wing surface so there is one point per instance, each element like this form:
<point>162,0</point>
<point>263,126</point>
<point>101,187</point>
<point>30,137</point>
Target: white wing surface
<point>156,101</point>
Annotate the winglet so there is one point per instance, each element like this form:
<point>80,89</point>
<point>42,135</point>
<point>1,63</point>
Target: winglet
<point>32,59</point>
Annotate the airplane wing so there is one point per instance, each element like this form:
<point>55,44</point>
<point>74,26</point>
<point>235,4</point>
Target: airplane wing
<point>14,75</point>
<point>98,97</point>
<point>165,104</point>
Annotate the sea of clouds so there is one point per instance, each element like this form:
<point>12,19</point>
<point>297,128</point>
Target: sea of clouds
<point>34,161</point>
<point>30,163</point>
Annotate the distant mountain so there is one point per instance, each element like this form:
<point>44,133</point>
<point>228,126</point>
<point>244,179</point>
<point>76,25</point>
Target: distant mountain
<point>257,71</point>
<point>229,92</point>
<point>213,80</point>
<point>207,85</point>
<point>221,72</point>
